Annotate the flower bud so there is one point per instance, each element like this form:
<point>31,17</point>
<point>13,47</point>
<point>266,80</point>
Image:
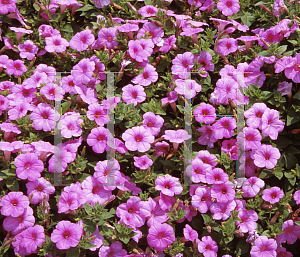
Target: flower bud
<point>274,218</point>
<point>265,206</point>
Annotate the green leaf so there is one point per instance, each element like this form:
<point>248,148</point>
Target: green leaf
<point>89,227</point>
<point>88,245</point>
<point>65,106</point>
<point>162,65</point>
<point>248,19</point>
<point>73,252</point>
<point>85,8</point>
<point>297,223</point>
<point>68,28</point>
<point>12,184</point>
<point>265,54</point>
<point>292,118</point>
<point>36,7</point>
<point>297,95</point>
<point>281,49</point>
<point>278,174</point>
<point>88,208</point>
<point>290,160</point>
<point>124,238</point>
<point>242,247</point>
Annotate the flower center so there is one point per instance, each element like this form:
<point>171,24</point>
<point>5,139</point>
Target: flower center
<point>130,210</point>
<point>160,235</point>
<point>52,92</point>
<point>66,235</point>
<point>27,165</point>
<point>134,94</point>
<point>14,202</point>
<point>56,42</point>
<point>205,112</point>
<point>185,64</point>
<point>71,84</point>
<point>258,115</point>
<point>225,125</point>
<point>39,188</point>
<point>17,66</point>
<point>208,248</point>
<point>198,171</point>
<point>167,186</point>
<point>228,45</point>
<point>146,75</point>
<point>109,38</point>
<point>273,195</point>
<point>138,138</point>
<point>224,191</point>
<point>95,189</point>
<point>83,40</point>
<point>28,49</point>
<point>267,156</point>
<point>149,124</point>
<point>97,114</point>
<point>249,137</point>
<point>217,177</point>
<point>203,199</point>
<point>45,115</point>
<point>100,137</point>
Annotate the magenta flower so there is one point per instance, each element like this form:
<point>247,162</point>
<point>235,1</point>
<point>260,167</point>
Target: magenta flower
<point>32,238</point>
<point>152,122</point>
<point>188,88</point>
<point>82,40</point>
<point>208,247</point>
<point>168,185</point>
<point>7,6</point>
<point>43,117</point>
<point>266,156</point>
<point>205,113</point>
<point>16,68</point>
<point>176,136</point>
<point>13,204</point>
<point>133,208</point>
<point>161,148</point>
<point>20,31</point>
<point>148,76</point>
<point>297,196</point>
<point>198,171</point>
<point>39,188</point>
<point>160,236</point>
<point>216,176</point>
<point>98,139</point>
<point>248,222</point>
<point>28,50</point>
<point>207,157</point>
<point>167,44</point>
<point>252,186</point>
<point>227,45</point>
<point>70,125</point>
<point>182,64</point>
<point>207,137</point>
<point>28,166</point>
<point>189,233</point>
<point>224,127</point>
<point>143,162</point>
<point>138,138</point>
<point>152,211</point>
<point>136,51</point>
<point>223,192</point>
<point>56,44</point>
<point>202,199</point>
<point>98,114</point>
<point>292,69</point>
<point>228,7</point>
<point>272,195</point>
<point>291,233</point>
<point>155,32</point>
<point>148,11</point>
<point>249,137</point>
<point>271,124</point>
<point>52,92</point>
<point>94,192</point>
<point>106,37</point>
<point>82,72</point>
<point>222,210</point>
<point>254,115</point>
<point>285,88</point>
<point>66,235</point>
<point>20,223</point>
<point>264,247</point>
<point>115,250</point>
<point>133,94</point>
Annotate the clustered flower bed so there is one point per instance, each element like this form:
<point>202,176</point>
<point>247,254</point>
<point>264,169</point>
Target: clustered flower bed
<point>60,193</point>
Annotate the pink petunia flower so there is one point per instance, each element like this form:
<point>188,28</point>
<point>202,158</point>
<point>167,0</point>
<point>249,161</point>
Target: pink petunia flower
<point>198,171</point>
<point>138,138</point>
<point>250,138</point>
<point>52,92</point>
<point>66,234</point>
<point>216,176</point>
<point>189,233</point>
<point>297,196</point>
<point>222,210</point>
<point>43,117</point>
<point>264,247</point>
<point>205,113</point>
<point>161,148</point>
<point>224,128</point>
<point>182,64</point>
<point>106,37</point>
<point>16,68</point>
<point>27,50</point>
<point>207,157</point>
<point>207,137</point>
<point>176,137</point>
<point>188,88</point>
<point>143,162</point>
<point>155,32</point>
<point>285,88</point>
<point>82,40</point>
<point>254,115</point>
<point>133,94</point>
<point>228,7</point>
<point>13,204</point>
<point>98,139</point>
<point>266,156</point>
<point>70,125</point>
<point>148,76</point>
<point>252,186</point>
<point>7,6</point>
<point>167,44</point>
<point>133,208</point>
<point>271,124</point>
<point>272,195</point>
<point>82,72</point>
<point>202,199</point>
<point>28,166</point>
<point>115,249</point>
<point>160,236</point>
<point>152,122</point>
<point>148,11</point>
<point>223,192</point>
<point>168,185</point>
<point>56,44</point>
<point>207,247</point>
<point>98,114</point>
<point>39,188</point>
<point>248,222</point>
<point>291,233</point>
<point>227,45</point>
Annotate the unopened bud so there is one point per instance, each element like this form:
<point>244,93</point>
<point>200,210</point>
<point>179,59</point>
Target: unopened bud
<point>132,7</point>
<point>208,228</point>
<point>30,197</point>
<point>238,233</point>
<point>274,218</point>
<point>266,9</point>
<point>265,206</point>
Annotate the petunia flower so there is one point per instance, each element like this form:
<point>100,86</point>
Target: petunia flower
<point>148,76</point>
<point>188,88</point>
<point>272,195</point>
<point>98,114</point>
<point>7,6</point>
<point>152,122</point>
<point>224,128</point>
<point>70,125</point>
<point>27,50</point>
<point>168,185</point>
<point>56,44</point>
<point>167,44</point>
<point>228,7</point>
<point>254,115</point>
<point>207,137</point>
<point>133,94</point>
<point>20,31</point>
<point>222,210</point>
<point>207,247</point>
<point>297,196</point>
<point>155,32</point>
<point>28,166</point>
<point>138,138</point>
<point>266,156</point>
<point>66,234</point>
<point>82,72</point>
<point>291,233</point>
<point>205,113</point>
<point>106,37</point>
<point>182,64</point>
<point>189,233</point>
<point>176,137</point>
<point>249,139</point>
<point>216,176</point>
<point>264,247</point>
<point>16,68</point>
<point>115,249</point>
<point>198,171</point>
<point>160,236</point>
<point>202,199</point>
<point>148,11</point>
<point>43,117</point>
<point>39,188</point>
<point>161,148</point>
<point>223,192</point>
<point>248,222</point>
<point>227,45</point>
<point>13,204</point>
<point>82,40</point>
<point>271,124</point>
<point>143,162</point>
<point>252,186</point>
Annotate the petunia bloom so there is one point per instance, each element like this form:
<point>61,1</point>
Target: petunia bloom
<point>272,195</point>
<point>266,156</point>
<point>13,204</point>
<point>168,185</point>
<point>264,247</point>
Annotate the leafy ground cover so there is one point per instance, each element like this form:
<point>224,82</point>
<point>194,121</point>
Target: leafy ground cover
<point>100,103</point>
